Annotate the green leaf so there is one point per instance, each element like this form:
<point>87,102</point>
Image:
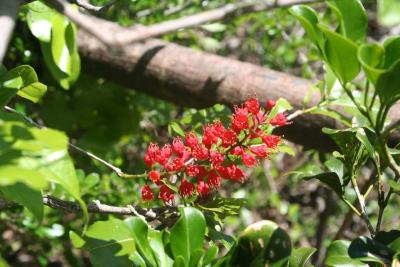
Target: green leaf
<point>77,240</point>
<point>395,186</point>
<point>211,254</point>
<point>309,20</point>
<point>21,80</point>
<point>337,255</point>
<point>176,128</point>
<point>300,256</point>
<point>27,197</point>
<point>264,242</point>
<point>281,105</point>
<point>11,174</point>
<point>382,68</point>
<point>352,17</point>
<point>330,179</point>
<point>369,250</point>
<point>223,207</point>
<point>157,245</point>
<point>139,230</point>
<point>341,55</point>
<point>388,12</point>
<point>110,243</point>
<point>336,166</point>
<point>39,18</point>
<point>187,235</point>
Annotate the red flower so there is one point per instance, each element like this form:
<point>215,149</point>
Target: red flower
<point>236,173</point>
<point>177,146</point>
<point>191,140</point>
<point>166,194</point>
<point>202,188</point>
<point>186,154</point>
<point>228,138</point>
<point>175,165</point>
<point>216,158</point>
<point>196,171</point>
<point>200,153</point>
<point>269,105</point>
<point>271,141</point>
<point>256,133</point>
<point>152,154</point>
<point>186,188</point>
<point>213,179</point>
<point>164,154</point>
<point>154,176</point>
<point>209,137</point>
<point>252,105</point>
<point>223,172</point>
<point>279,120</point>
<point>219,129</point>
<point>238,150</point>
<point>260,150</point>
<point>259,118</point>
<point>240,119</point>
<point>147,194</point>
<point>248,160</point>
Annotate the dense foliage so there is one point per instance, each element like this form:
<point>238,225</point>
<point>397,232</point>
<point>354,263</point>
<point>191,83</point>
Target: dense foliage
<point>92,173</point>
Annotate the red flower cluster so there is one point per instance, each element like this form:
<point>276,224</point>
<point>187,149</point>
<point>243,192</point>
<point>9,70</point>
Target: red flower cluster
<point>198,165</point>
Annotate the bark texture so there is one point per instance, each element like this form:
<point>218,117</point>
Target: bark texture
<point>198,79</point>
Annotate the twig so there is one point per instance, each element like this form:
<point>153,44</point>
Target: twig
<point>114,168</point>
<point>140,33</point>
<point>150,214</point>
<point>86,5</point>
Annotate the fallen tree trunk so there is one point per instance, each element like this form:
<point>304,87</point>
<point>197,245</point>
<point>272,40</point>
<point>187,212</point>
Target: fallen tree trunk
<point>198,79</point>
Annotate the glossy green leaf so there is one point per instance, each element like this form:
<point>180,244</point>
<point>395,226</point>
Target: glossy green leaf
<point>263,243</point>
<point>77,240</point>
<point>157,245</point>
<point>187,235</point>
<point>23,81</point>
<point>352,17</point>
<point>337,255</point>
<point>110,243</point>
<point>301,256</point>
<point>341,55</point>
<point>211,254</point>
<point>27,197</point>
<point>330,179</point>
<point>175,128</point>
<point>39,18</point>
<point>369,250</point>
<point>309,20</point>
<point>139,230</point>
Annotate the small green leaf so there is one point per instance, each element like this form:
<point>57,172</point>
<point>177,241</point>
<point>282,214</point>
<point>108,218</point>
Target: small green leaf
<point>187,235</point>
<point>176,128</point>
<point>211,254</point>
<point>300,256</point>
<point>281,105</point>
<point>309,20</point>
<point>77,240</point>
<point>369,250</point>
<point>341,55</point>
<point>388,12</point>
<point>39,18</point>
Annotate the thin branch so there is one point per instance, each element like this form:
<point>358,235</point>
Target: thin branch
<point>150,214</point>
<point>114,168</point>
<point>140,33</point>
<point>86,5</point>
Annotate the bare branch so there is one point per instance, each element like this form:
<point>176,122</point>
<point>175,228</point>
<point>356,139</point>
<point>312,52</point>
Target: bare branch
<point>8,16</point>
<point>140,33</point>
<point>86,5</point>
<point>162,214</point>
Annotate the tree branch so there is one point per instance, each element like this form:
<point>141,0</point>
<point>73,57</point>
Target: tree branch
<point>140,33</point>
<point>8,16</point>
<point>86,5</point>
<point>162,214</point>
